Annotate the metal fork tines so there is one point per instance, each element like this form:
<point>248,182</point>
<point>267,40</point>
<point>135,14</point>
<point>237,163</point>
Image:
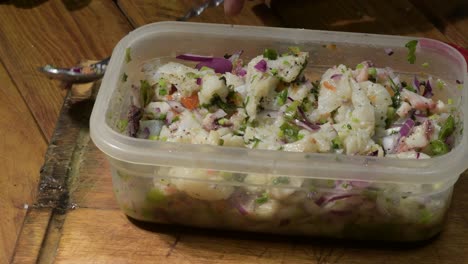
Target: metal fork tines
<point>196,11</point>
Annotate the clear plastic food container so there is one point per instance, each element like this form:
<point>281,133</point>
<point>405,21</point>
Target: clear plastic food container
<point>332,195</point>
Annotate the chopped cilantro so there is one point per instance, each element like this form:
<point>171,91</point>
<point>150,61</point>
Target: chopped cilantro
<point>270,54</point>
<point>221,142</point>
<point>262,199</point>
<point>411,45</point>
<point>286,63</point>
<point>336,143</point>
<point>359,66</point>
<point>396,94</point>
<point>124,77</point>
<point>274,72</point>
<point>372,72</point>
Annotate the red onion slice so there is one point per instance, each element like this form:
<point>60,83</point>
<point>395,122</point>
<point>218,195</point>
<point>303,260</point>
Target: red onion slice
<point>219,65</point>
<point>406,128</point>
<point>194,57</point>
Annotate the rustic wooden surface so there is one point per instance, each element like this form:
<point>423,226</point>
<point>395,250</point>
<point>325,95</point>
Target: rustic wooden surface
<point>74,217</point>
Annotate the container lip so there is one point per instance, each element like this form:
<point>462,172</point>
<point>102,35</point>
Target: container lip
<point>135,151</point>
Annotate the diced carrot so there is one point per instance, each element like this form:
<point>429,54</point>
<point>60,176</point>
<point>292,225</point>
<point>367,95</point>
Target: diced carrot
<point>190,102</point>
<point>329,86</point>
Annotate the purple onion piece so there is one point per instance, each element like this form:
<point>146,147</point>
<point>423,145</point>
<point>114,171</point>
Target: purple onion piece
<point>306,121</point>
<point>241,72</point>
<point>199,81</point>
<point>418,154</point>
<point>428,90</point>
<point>219,65</point>
<point>194,57</point>
<point>459,82</point>
<point>389,51</point>
<point>406,128</point>
<point>261,66</point>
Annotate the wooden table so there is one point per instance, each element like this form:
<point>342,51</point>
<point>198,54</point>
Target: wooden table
<point>67,212</point>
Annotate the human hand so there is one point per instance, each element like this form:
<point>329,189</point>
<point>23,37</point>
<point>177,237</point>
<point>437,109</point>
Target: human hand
<point>233,7</point>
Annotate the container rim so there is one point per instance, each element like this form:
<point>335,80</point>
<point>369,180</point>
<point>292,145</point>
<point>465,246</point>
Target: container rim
<point>135,150</point>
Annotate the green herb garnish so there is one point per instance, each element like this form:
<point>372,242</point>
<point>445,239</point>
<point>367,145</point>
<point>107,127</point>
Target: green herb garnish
<point>336,143</point>
<point>289,132</point>
<point>262,199</point>
<point>270,54</point>
<point>411,45</point>
<point>282,97</point>
<point>124,77</point>
<point>146,93</point>
<point>396,101</point>
<point>162,92</point>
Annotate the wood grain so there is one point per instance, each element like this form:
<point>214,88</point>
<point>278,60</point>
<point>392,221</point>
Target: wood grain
<point>50,34</point>
<point>449,16</point>
<point>141,12</point>
<point>367,16</point>
<point>22,149</point>
<point>32,235</point>
<point>117,239</point>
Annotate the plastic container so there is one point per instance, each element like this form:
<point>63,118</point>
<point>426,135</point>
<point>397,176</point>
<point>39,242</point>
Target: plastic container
<point>339,196</point>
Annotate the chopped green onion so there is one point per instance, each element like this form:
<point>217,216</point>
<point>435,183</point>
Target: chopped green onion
<point>153,137</point>
<point>205,68</point>
<point>192,75</point>
<point>290,132</point>
<point>282,97</point>
<point>359,66</point>
<point>372,71</point>
<point>450,101</point>
<point>124,77</point>
<point>221,142</point>
<point>425,65</point>
<point>291,110</point>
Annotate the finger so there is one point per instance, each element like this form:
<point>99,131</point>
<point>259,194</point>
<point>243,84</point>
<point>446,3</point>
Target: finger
<point>233,7</point>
